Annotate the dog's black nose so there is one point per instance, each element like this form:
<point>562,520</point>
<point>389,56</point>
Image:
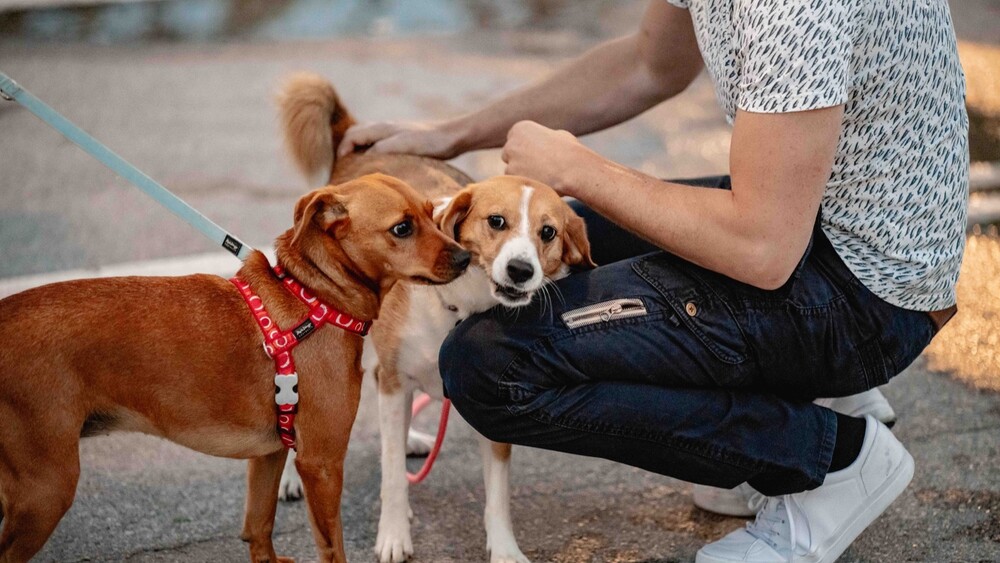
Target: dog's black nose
<point>519,271</point>
<point>460,260</point>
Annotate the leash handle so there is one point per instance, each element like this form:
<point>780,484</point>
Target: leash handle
<point>12,91</point>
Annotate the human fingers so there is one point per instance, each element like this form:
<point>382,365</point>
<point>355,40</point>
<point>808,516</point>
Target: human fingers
<point>363,135</point>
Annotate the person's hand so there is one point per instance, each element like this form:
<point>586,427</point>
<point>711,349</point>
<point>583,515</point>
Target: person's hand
<point>417,138</point>
<point>552,157</point>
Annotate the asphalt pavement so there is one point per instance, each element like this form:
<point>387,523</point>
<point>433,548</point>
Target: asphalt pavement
<point>145,499</point>
<point>199,117</point>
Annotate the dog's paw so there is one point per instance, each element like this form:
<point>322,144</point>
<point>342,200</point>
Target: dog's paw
<point>291,485</point>
<point>517,557</point>
<point>418,444</point>
<point>505,552</point>
<point>393,544</point>
<point>267,559</point>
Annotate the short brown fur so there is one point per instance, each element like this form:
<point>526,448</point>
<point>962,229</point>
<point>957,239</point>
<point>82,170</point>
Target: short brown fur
<point>181,358</point>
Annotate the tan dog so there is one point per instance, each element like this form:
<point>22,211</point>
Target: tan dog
<point>522,235</point>
<point>314,121</point>
<point>181,358</point>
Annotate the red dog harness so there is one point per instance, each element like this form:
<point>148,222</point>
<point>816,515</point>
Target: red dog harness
<point>278,345</point>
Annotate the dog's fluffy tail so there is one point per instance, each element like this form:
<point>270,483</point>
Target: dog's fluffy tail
<point>314,122</point>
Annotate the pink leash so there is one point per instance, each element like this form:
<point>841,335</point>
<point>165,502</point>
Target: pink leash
<point>418,405</point>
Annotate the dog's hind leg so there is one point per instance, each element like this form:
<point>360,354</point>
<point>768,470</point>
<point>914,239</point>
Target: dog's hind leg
<point>291,483</point>
<point>38,483</point>
<point>418,444</point>
<point>500,540</point>
<point>263,476</point>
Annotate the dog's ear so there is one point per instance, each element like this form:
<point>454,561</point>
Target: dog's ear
<point>576,245</point>
<point>455,212</point>
<point>322,209</point>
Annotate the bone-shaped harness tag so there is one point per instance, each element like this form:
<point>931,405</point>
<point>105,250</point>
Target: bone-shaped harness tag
<point>286,389</point>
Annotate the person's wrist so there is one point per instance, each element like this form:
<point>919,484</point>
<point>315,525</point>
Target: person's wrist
<point>576,177</point>
<point>454,134</point>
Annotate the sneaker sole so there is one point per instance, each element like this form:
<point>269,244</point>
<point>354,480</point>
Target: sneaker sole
<point>894,485</point>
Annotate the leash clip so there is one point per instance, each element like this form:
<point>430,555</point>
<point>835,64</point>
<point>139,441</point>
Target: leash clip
<point>8,88</point>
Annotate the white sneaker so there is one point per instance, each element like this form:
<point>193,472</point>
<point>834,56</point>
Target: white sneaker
<point>871,402</point>
<point>727,502</point>
<point>817,526</point>
<point>736,502</point>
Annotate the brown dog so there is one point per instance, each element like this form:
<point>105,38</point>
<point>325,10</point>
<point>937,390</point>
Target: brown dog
<point>181,358</point>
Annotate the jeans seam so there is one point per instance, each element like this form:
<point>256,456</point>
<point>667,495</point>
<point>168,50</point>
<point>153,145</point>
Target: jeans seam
<point>824,455</point>
<point>811,311</point>
<point>719,456</point>
<point>872,357</point>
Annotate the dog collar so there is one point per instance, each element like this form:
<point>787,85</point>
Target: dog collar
<point>278,344</point>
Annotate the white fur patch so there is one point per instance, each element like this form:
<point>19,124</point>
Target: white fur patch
<point>439,207</point>
<point>519,247</point>
<point>291,482</point>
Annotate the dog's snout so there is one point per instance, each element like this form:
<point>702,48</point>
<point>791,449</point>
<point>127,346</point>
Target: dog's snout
<point>460,259</point>
<point>519,271</point>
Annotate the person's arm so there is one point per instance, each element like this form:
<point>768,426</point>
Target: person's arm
<point>607,85</point>
<point>756,233</point>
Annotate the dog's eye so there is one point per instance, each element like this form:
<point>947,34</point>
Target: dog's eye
<point>496,222</point>
<point>402,230</point>
<point>547,233</point>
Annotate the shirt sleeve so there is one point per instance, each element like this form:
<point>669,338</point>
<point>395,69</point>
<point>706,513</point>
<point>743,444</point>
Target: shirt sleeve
<point>679,3</point>
<point>795,54</point>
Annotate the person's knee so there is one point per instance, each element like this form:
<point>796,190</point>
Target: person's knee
<point>471,362</point>
<point>451,363</point>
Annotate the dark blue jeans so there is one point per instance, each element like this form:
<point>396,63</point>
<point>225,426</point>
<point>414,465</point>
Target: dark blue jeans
<point>652,361</point>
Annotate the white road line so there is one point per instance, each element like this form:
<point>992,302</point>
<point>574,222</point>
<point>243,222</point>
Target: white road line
<point>217,263</point>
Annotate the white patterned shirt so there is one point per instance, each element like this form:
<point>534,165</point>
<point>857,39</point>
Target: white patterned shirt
<point>896,203</point>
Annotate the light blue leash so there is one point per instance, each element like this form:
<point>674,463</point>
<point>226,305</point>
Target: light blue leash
<point>12,91</point>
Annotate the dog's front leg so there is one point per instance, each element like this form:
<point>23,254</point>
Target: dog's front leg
<point>323,478</point>
<point>263,475</point>
<point>500,542</point>
<point>394,543</point>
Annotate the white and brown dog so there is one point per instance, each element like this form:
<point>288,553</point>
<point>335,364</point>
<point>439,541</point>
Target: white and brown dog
<point>522,236</point>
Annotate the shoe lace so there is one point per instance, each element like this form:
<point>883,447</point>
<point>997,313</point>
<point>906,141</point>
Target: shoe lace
<point>773,513</point>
